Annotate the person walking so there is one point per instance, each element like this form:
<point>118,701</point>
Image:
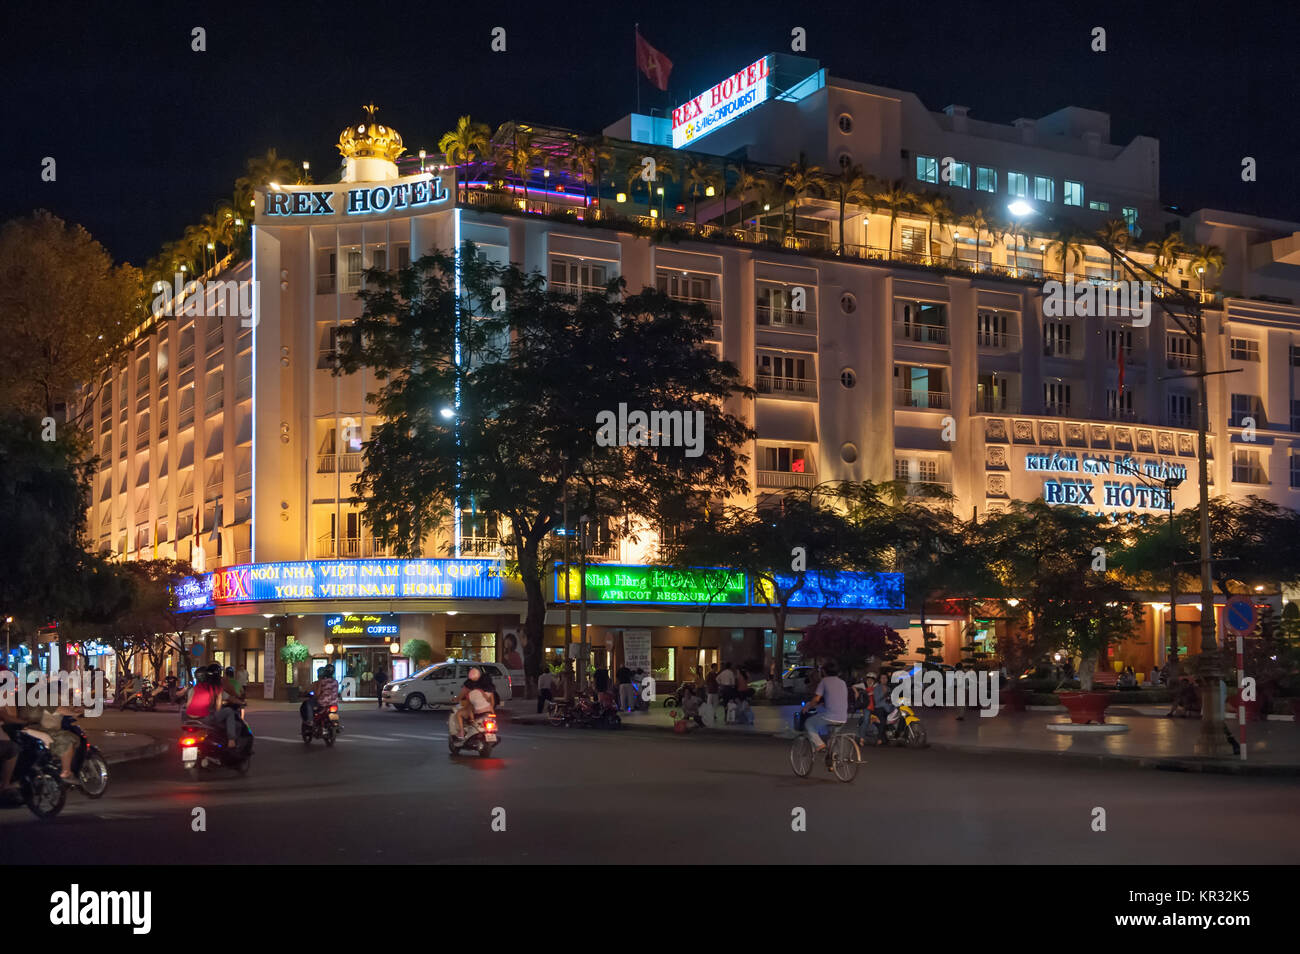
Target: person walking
<point>381,677</point>
<point>545,691</point>
<point>727,683</point>
<point>602,680</point>
<point>711,686</point>
<point>626,691</point>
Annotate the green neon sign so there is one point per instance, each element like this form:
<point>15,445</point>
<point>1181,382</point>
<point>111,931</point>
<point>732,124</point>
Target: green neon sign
<point>613,583</point>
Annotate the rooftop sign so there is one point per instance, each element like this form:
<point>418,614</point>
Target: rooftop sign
<point>714,108</point>
<point>308,202</point>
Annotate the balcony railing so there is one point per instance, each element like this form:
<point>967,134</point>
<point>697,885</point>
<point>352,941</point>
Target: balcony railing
<point>575,288</point>
<point>1175,359</point>
<point>185,417</point>
<point>480,543</point>
<point>326,284</point>
<point>995,404</point>
<point>1057,410</point>
<point>213,402</point>
<point>782,317</point>
<point>906,397</point>
<point>783,478</point>
<point>921,333</point>
<point>349,547</point>
<point>343,463</point>
<point>778,384</point>
<point>1122,414</point>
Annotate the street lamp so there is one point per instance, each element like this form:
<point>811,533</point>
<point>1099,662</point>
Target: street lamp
<point>1213,739</point>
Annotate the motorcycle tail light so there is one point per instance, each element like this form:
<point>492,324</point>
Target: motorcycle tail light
<point>190,740</point>
<point>334,708</point>
<point>490,725</point>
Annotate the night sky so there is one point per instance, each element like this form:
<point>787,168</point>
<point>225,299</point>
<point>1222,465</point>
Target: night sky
<point>149,135</point>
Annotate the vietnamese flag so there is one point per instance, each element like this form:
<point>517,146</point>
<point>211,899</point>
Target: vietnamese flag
<point>652,63</point>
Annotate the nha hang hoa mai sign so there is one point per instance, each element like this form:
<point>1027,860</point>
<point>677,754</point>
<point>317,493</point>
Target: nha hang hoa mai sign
<point>423,190</point>
<point>1106,494</point>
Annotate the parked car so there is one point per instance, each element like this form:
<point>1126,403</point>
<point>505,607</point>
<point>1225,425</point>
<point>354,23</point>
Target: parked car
<point>800,680</point>
<point>439,684</point>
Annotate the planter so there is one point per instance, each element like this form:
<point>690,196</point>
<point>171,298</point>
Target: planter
<point>1085,707</point>
<point>1014,700</point>
<point>293,693</point>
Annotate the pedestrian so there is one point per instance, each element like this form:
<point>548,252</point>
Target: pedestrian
<point>638,684</point>
<point>602,680</point>
<point>727,683</point>
<point>544,691</point>
<point>711,686</point>
<point>691,706</point>
<point>242,675</point>
<point>1127,679</point>
<point>626,696</point>
<point>381,677</point>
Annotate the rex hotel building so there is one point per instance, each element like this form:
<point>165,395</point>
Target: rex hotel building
<point>923,354</point>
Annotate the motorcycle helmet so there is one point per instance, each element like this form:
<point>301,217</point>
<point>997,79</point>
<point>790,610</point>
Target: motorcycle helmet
<point>230,671</point>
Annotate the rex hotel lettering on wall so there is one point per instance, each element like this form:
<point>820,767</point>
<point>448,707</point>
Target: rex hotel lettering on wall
<point>361,200</point>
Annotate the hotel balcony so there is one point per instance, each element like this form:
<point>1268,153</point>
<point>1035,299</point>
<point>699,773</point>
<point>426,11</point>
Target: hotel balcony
<point>780,386</point>
<point>343,463</point>
<point>785,319</point>
<point>921,333</point>
<point>326,284</point>
<point>1127,415</point>
<point>780,479</point>
<point>213,402</point>
<point>995,404</point>
<point>481,545</point>
<point>349,548</point>
<point>906,397</point>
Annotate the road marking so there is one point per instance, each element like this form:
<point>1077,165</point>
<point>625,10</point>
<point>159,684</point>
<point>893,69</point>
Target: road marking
<point>271,738</point>
<point>368,738</point>
<point>422,738</point>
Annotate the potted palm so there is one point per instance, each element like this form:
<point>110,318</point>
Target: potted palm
<point>293,654</point>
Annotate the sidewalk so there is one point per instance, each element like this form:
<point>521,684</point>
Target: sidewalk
<point>1273,748</point>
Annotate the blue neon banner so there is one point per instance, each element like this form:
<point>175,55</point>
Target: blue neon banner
<point>448,579</point>
<point>846,590</point>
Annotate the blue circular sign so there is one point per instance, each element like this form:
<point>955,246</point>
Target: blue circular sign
<point>1240,616</point>
<point>196,650</point>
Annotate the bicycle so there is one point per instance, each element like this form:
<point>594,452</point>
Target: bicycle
<point>842,753</point>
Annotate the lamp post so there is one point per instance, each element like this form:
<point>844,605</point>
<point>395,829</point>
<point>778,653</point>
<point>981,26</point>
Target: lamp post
<point>1213,740</point>
<point>9,621</point>
<point>1171,647</point>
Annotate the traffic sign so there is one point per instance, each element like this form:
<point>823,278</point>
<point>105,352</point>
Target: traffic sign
<point>1240,615</point>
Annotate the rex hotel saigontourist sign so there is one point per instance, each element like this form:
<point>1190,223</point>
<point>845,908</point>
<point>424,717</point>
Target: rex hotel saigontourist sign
<point>308,202</point>
<point>727,100</point>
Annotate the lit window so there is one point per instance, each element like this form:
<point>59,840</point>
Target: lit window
<point>1130,217</point>
<point>1044,189</point>
<point>1073,193</point>
<point>927,169</point>
<point>1098,206</point>
<point>959,175</point>
<point>1246,468</point>
<point>986,179</point>
<point>1244,349</point>
<point>1018,184</point>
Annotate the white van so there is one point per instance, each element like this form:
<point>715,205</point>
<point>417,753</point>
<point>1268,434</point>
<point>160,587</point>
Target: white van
<point>439,684</point>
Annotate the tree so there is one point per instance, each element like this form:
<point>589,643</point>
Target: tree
<point>65,309</point>
<point>897,199</point>
<point>850,186</point>
<point>936,209</point>
<point>467,142</point>
<point>700,177</point>
<point>1206,259</point>
<point>801,179</point>
<point>149,621</point>
<point>746,182</point>
<point>1069,248</point>
<point>268,168</point>
<point>587,156</point>
<point>1166,251</point>
<point>977,222</point>
<point>294,654</point>
<point>418,651</point>
<point>1114,235</point>
<point>507,409</point>
<point>850,642</point>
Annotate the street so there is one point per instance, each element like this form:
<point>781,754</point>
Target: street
<point>389,793</point>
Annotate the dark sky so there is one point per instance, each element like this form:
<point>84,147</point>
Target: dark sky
<point>149,135</point>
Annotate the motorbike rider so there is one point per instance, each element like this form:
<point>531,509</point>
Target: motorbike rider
<point>477,696</point>
<point>878,702</point>
<point>203,703</point>
<point>326,689</point>
<point>10,793</point>
<point>833,691</point>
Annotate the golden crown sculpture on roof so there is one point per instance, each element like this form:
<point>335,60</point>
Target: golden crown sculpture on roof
<point>369,139</point>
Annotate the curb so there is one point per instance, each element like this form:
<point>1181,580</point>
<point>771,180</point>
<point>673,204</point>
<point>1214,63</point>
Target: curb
<point>146,750</point>
<point>1162,763</point>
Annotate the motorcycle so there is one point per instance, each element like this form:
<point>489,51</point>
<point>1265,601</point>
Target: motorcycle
<point>599,712</point>
<point>203,746</point>
<point>90,768</point>
<point>37,773</point>
<point>325,724</point>
<point>480,734</point>
<point>902,726</point>
<point>141,700</point>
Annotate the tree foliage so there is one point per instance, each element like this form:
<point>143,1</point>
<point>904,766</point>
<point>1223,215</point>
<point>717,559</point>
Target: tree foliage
<point>850,642</point>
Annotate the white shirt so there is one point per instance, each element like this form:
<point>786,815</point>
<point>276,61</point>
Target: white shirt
<point>479,700</point>
<point>545,681</point>
<point>727,677</point>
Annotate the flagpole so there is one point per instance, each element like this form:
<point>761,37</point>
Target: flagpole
<point>636,65</point>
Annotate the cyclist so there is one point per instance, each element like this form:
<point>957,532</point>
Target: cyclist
<point>833,691</point>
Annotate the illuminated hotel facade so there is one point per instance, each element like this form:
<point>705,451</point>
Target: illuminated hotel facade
<point>922,353</point>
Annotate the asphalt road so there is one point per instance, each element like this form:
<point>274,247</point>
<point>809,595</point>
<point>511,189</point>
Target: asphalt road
<point>388,792</point>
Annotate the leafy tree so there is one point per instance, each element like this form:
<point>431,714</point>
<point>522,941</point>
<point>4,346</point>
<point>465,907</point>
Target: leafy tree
<point>851,186</point>
<point>897,198</point>
<point>418,651</point>
<point>462,145</point>
<point>64,311</point>
<point>801,179</point>
<point>850,642</point>
<point>504,408</point>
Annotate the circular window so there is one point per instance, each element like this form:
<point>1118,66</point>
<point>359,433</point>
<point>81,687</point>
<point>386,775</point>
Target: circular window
<point>848,378</point>
<point>845,160</point>
<point>849,453</point>
<point>848,304</point>
<point>846,123</point>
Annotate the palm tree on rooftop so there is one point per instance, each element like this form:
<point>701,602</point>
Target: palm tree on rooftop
<point>935,208</point>
<point>700,176</point>
<point>464,144</point>
<point>1166,251</point>
<point>897,199</point>
<point>800,179</point>
<point>746,182</point>
<point>521,156</point>
<point>1069,247</point>
<point>586,157</point>
<point>850,186</point>
<point>1115,235</point>
<point>977,222</point>
<point>268,168</point>
<point>1206,259</point>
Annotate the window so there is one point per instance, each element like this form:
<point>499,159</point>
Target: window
<point>991,393</point>
<point>578,276</point>
<point>1295,416</point>
<point>1056,397</point>
<point>786,460</point>
<point>1056,339</point>
<point>1117,338</point>
<point>1130,217</point>
<point>1119,406</point>
<point>846,160</point>
<point>986,179</point>
<point>1181,409</point>
<point>1178,351</point>
<point>926,322</point>
<point>912,239</point>
<point>1244,349</point>
<point>1018,184</point>
<point>920,386</point>
<point>959,175</point>
<point>849,379</point>
<point>355,267</point>
<point>1295,468</point>
<point>403,256</point>
<point>1044,189</point>
<point>927,470</point>
<point>846,123</point>
<point>1246,468</point>
<point>776,305</point>
<point>1295,356</point>
<point>1098,206</point>
<point>781,373</point>
<point>902,468</point>
<point>1247,406</point>
<point>1073,193</point>
<point>991,329</point>
<point>927,169</point>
